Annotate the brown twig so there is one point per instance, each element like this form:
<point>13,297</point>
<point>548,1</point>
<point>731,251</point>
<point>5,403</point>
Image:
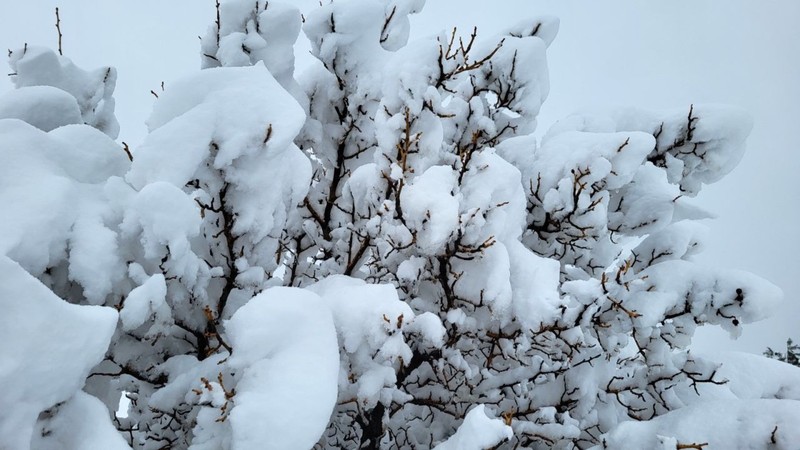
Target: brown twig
<point>268,134</point>
<point>127,150</point>
<point>384,34</point>
<point>217,22</point>
<point>58,28</point>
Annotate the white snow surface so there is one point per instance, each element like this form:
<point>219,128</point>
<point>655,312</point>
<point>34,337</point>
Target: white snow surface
<point>714,288</point>
<point>285,343</point>
<point>432,208</point>
<point>44,107</point>
<point>757,407</point>
<point>35,226</point>
<point>751,377</point>
<point>534,282</point>
<point>372,324</point>
<point>477,432</point>
<point>143,302</point>
<point>720,425</point>
<point>235,108</point>
<point>81,423</point>
<point>92,90</point>
<point>88,155</point>
<point>365,314</point>
<point>52,187</point>
<point>49,347</point>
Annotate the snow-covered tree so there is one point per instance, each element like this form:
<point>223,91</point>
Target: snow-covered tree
<point>375,253</point>
<point>791,356</point>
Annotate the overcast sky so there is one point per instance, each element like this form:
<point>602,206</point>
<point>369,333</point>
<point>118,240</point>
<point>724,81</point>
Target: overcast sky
<point>649,54</point>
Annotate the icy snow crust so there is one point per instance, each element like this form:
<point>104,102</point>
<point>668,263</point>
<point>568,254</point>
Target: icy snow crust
<point>376,253</point>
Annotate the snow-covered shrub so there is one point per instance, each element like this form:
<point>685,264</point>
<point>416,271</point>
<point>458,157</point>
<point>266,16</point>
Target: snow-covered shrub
<point>377,253</point>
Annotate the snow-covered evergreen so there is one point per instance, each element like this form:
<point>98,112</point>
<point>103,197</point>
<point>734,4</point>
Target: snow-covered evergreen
<point>376,252</point>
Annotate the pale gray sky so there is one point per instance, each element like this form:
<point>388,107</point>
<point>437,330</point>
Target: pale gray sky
<point>648,54</point>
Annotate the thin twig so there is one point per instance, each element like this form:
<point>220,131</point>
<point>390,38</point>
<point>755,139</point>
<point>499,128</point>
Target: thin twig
<point>127,150</point>
<point>58,28</point>
<point>218,22</point>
